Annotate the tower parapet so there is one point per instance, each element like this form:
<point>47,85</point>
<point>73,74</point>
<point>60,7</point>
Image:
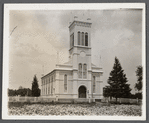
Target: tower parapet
<point>80,22</point>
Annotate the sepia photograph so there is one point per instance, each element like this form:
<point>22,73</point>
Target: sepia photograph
<point>74,61</point>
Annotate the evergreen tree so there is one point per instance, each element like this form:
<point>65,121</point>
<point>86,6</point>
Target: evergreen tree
<point>35,87</point>
<point>138,85</point>
<point>107,91</point>
<point>118,82</point>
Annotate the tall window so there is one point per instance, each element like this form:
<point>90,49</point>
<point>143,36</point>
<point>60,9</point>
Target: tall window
<point>78,38</point>
<point>72,39</point>
<point>83,38</point>
<point>84,71</point>
<point>86,39</point>
<point>70,42</point>
<point>94,84</point>
<point>41,87</point>
<point>46,86</point>
<point>49,86</point>
<point>80,70</point>
<point>65,83</point>
<point>52,85</point>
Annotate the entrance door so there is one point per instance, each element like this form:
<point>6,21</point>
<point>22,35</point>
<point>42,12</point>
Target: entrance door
<point>82,92</point>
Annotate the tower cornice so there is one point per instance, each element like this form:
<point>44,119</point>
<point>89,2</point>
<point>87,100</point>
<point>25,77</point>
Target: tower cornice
<point>80,23</point>
<point>79,46</point>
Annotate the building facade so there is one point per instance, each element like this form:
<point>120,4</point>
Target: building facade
<point>77,78</point>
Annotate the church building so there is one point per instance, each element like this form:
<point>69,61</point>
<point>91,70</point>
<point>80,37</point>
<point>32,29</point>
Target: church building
<point>77,78</point>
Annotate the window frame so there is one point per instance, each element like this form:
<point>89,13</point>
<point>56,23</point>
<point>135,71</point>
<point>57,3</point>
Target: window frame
<point>94,84</point>
<point>83,42</point>
<point>80,71</point>
<point>52,85</point>
<point>71,40</point>
<point>79,35</point>
<point>49,86</point>
<point>65,83</point>
<point>85,71</point>
<point>86,39</point>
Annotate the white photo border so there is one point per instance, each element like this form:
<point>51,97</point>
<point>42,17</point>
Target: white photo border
<point>62,6</point>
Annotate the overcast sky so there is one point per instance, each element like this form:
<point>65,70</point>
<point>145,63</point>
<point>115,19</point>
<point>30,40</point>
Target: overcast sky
<point>36,36</point>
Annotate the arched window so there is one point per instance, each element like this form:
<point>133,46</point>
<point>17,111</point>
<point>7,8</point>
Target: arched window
<point>46,85</point>
<point>70,42</point>
<point>65,83</point>
<point>72,38</point>
<point>84,71</point>
<point>49,86</point>
<point>80,70</point>
<point>86,39</point>
<point>78,38</point>
<point>83,38</point>
<point>42,87</point>
<point>52,85</point>
<point>94,84</point>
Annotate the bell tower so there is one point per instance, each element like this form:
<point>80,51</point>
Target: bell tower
<point>80,52</point>
<point>79,31</point>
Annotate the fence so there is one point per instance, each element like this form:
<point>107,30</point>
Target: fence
<point>122,100</point>
<point>47,99</point>
<point>30,99</point>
